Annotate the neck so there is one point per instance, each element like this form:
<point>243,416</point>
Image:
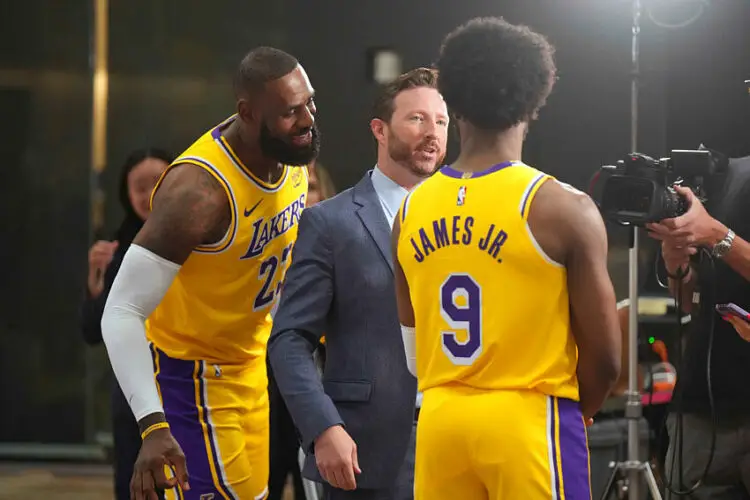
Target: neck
<point>250,155</point>
<point>482,148</point>
<point>396,172</point>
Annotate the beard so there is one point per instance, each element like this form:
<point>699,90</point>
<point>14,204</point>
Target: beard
<point>282,150</point>
<point>408,156</point>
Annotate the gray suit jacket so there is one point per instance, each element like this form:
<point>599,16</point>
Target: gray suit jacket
<point>340,284</point>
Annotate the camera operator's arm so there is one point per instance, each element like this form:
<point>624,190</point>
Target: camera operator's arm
<point>696,228</point>
<point>568,227</point>
<point>738,257</point>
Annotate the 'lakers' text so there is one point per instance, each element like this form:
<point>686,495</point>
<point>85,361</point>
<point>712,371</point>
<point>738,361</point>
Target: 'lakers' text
<point>266,230</point>
<point>457,230</point>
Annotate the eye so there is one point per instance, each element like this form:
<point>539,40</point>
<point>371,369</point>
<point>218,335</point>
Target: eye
<point>443,123</point>
<point>417,118</point>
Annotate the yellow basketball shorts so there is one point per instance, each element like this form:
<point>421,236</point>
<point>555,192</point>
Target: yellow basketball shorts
<point>219,416</point>
<point>500,445</point>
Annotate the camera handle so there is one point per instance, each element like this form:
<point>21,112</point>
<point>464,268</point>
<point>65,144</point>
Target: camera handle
<point>632,469</point>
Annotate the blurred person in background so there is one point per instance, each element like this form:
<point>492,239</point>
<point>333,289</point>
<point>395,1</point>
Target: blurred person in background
<point>284,441</point>
<point>138,177</point>
<point>321,186</point>
<point>357,426</point>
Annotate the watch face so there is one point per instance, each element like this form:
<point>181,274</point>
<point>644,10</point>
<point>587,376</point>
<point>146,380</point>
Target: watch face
<point>720,249</point>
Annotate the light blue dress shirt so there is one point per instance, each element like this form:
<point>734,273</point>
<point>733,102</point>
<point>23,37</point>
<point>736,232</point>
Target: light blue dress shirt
<point>391,195</point>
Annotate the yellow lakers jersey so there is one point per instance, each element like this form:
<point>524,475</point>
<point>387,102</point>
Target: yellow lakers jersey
<point>491,309</point>
<point>217,308</point>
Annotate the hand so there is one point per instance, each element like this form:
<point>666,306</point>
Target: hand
<point>693,228</point>
<point>675,257</point>
<point>158,449</point>
<point>589,422</point>
<point>100,255</point>
<point>336,457</point>
<point>741,326</point>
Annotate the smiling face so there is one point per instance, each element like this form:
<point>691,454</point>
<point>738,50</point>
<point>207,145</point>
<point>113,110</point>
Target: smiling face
<point>283,119</point>
<point>417,133</point>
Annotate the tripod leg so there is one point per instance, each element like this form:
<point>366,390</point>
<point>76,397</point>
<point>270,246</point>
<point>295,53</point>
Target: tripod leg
<point>651,482</point>
<point>610,488</point>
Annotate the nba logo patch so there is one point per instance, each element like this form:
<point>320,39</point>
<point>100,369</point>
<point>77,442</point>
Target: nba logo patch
<point>461,199</point>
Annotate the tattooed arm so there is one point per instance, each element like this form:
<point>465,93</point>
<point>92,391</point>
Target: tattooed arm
<point>190,208</point>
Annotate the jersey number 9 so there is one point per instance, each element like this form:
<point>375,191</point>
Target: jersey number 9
<point>461,308</point>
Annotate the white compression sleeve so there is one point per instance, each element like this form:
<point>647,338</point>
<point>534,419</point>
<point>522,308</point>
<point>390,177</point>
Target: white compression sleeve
<point>140,284</point>
<point>408,334</point>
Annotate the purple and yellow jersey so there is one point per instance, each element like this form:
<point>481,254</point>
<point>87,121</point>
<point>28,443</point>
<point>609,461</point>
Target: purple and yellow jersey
<point>217,308</point>
<point>491,308</point>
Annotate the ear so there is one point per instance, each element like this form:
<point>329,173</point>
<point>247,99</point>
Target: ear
<point>246,111</point>
<point>379,129</point>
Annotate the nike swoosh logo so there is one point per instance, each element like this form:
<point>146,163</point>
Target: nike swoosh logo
<point>248,212</point>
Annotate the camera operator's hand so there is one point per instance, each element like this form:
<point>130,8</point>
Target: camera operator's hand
<point>694,228</point>
<point>741,326</point>
<point>676,258</point>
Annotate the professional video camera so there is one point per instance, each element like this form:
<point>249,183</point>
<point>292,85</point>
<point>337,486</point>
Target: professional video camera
<point>639,189</point>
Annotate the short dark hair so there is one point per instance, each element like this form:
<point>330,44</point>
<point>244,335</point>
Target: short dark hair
<point>495,74</point>
<point>262,65</point>
<point>418,77</point>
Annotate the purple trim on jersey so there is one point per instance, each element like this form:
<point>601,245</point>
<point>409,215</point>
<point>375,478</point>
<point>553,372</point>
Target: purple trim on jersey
<point>574,451</point>
<point>525,202</point>
<point>177,379</point>
<point>450,172</point>
<point>216,132</point>
<point>403,209</point>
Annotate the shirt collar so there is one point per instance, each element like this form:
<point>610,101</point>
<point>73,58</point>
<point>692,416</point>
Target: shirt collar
<point>390,193</point>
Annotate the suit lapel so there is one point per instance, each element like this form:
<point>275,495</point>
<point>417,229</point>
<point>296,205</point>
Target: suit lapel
<point>370,212</point>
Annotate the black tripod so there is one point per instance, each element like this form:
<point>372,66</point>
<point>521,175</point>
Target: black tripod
<point>629,471</point>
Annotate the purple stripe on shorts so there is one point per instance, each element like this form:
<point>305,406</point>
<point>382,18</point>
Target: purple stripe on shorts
<point>209,427</point>
<point>176,380</point>
<point>553,439</point>
<point>574,451</point>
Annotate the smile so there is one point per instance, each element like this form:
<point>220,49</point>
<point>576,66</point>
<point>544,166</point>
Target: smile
<point>302,140</point>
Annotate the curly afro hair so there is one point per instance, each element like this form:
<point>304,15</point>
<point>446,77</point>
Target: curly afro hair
<point>495,74</point>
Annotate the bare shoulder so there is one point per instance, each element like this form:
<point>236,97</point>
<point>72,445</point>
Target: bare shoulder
<point>190,208</point>
<point>562,217</point>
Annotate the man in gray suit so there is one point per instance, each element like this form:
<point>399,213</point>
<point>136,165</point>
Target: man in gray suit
<point>357,426</point>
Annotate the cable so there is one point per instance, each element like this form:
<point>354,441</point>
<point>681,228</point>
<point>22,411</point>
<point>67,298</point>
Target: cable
<point>677,395</point>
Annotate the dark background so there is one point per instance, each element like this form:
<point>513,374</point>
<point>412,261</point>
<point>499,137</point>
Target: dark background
<point>171,63</point>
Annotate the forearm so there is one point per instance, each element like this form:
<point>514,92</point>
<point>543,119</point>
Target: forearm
<point>291,356</point>
<point>408,335</point>
<point>594,386</point>
<point>142,282</point>
<point>738,257</point>
<point>130,356</point>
